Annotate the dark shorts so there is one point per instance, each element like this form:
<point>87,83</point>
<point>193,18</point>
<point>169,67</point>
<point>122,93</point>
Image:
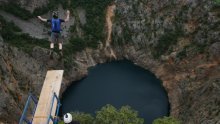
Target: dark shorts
<point>56,37</point>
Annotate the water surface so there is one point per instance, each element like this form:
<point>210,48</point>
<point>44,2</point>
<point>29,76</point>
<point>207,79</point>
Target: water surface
<point>118,83</point>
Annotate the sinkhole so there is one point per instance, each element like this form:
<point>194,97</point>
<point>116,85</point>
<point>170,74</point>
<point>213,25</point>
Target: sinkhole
<point>118,83</point>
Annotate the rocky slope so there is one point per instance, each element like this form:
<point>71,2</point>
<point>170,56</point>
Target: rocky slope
<point>179,41</point>
<point>28,4</point>
<point>189,66</point>
<point>19,73</point>
<point>36,28</point>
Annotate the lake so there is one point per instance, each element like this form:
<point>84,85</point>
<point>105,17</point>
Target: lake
<point>118,83</point>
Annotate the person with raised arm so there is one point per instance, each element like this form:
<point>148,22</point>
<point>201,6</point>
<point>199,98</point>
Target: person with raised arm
<point>56,31</point>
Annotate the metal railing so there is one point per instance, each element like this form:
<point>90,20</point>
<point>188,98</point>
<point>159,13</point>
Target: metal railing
<point>54,118</point>
<point>23,116</point>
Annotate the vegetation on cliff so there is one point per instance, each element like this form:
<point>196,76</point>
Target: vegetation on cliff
<point>17,10</point>
<point>165,41</point>
<point>111,115</point>
<point>94,29</point>
<point>217,1</point>
<point>166,120</point>
<point>108,115</point>
<point>95,16</point>
<point>12,35</point>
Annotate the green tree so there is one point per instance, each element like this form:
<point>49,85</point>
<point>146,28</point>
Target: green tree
<point>110,115</point>
<point>82,118</point>
<point>166,120</point>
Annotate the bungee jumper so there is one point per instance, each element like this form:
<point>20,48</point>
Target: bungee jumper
<point>55,31</point>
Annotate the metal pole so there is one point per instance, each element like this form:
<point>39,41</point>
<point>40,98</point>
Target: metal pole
<point>25,109</point>
<point>51,107</point>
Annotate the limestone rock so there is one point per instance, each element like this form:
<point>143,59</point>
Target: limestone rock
<point>214,51</point>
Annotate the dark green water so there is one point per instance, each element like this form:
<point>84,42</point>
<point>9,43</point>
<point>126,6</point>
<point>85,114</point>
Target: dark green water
<point>118,83</point>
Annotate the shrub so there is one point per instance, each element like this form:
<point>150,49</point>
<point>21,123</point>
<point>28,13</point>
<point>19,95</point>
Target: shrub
<point>74,45</point>
<point>217,2</point>
<point>16,10</point>
<point>95,15</point>
<point>109,115</point>
<point>166,120</point>
<point>82,118</point>
<point>165,41</point>
<point>12,35</point>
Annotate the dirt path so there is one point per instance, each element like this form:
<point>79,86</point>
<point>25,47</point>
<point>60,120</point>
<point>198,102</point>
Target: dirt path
<point>109,15</point>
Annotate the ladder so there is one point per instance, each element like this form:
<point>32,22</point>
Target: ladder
<point>46,109</point>
<point>24,119</point>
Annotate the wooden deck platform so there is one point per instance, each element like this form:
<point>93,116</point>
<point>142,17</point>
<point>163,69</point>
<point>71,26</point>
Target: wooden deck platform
<point>51,84</point>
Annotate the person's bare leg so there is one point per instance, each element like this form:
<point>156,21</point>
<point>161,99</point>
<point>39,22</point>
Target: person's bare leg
<point>51,45</point>
<point>60,46</point>
<point>60,49</point>
<point>51,49</point>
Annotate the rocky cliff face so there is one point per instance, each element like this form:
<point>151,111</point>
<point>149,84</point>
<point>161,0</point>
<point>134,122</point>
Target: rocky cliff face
<point>19,74</point>
<point>179,41</point>
<point>29,4</point>
<point>181,35</point>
